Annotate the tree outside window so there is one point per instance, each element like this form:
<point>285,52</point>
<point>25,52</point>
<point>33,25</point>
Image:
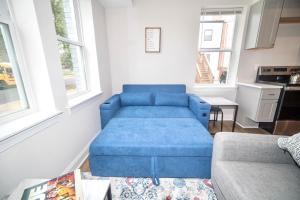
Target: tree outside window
<point>70,45</point>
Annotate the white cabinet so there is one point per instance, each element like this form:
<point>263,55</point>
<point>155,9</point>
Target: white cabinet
<point>265,111</point>
<point>263,22</point>
<point>258,102</point>
<point>291,8</point>
<point>266,103</point>
<point>270,93</point>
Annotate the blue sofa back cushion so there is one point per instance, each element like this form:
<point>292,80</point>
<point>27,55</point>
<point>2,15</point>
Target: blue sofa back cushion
<point>154,88</point>
<point>136,99</point>
<point>171,99</point>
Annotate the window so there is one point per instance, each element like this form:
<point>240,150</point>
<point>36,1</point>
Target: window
<point>70,45</point>
<point>216,45</point>
<point>12,93</point>
<point>208,35</point>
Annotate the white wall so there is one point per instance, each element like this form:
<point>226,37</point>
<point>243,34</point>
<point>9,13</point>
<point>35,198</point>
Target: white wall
<point>49,152</point>
<point>176,63</point>
<point>102,46</point>
<point>285,52</point>
<point>179,20</point>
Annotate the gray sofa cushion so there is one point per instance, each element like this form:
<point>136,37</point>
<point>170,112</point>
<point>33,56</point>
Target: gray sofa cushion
<point>217,190</point>
<point>259,181</point>
<point>292,145</point>
<point>249,148</point>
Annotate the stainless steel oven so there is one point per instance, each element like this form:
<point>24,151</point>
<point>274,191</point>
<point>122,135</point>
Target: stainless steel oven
<point>287,117</point>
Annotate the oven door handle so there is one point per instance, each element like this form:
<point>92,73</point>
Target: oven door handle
<point>289,88</point>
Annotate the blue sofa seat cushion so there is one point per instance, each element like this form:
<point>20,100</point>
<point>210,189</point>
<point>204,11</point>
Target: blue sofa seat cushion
<point>136,99</point>
<point>154,112</point>
<point>153,137</point>
<point>171,99</point>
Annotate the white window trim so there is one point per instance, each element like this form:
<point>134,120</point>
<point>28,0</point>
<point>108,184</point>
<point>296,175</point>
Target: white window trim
<point>79,43</point>
<point>76,10</point>
<point>81,100</point>
<point>233,46</point>
<point>33,122</point>
<point>17,127</point>
<point>22,68</point>
<point>225,86</point>
<point>215,50</point>
<point>92,90</point>
<point>20,129</point>
<point>73,42</point>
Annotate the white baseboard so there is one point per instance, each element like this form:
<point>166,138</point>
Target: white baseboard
<point>243,126</point>
<point>79,159</point>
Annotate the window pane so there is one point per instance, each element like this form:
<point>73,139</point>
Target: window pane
<point>215,47</point>
<point>12,96</point>
<point>208,35</point>
<point>212,67</point>
<point>71,61</point>
<point>64,17</point>
<point>215,30</point>
<point>222,27</point>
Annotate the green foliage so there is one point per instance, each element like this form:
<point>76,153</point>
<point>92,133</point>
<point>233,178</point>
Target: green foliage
<point>61,30</point>
<point>3,53</point>
<point>59,17</point>
<point>65,55</point>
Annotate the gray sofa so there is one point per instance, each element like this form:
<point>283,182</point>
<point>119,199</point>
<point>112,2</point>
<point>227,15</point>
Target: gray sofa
<point>253,167</point>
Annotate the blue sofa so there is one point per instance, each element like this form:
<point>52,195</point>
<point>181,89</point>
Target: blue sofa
<point>153,131</point>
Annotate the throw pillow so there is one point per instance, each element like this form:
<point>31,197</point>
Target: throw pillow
<point>136,99</point>
<point>171,99</point>
<point>292,145</point>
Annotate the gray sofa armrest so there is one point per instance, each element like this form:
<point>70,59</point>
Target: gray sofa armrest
<point>249,148</point>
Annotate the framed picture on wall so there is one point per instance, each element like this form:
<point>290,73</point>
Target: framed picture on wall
<point>152,39</point>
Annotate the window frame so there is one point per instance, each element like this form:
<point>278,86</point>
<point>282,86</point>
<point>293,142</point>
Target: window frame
<point>79,43</point>
<point>22,73</point>
<point>219,50</point>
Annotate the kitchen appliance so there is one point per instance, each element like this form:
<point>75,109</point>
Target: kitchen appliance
<point>287,116</point>
<point>295,78</point>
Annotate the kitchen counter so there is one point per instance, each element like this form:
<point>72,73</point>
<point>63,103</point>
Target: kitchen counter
<point>261,86</point>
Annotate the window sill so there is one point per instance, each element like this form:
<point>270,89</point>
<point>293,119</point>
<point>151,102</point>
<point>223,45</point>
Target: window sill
<point>18,130</point>
<point>210,86</point>
<point>75,102</point>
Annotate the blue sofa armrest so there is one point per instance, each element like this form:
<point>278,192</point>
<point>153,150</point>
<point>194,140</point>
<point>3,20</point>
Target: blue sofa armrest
<point>109,108</point>
<point>200,108</point>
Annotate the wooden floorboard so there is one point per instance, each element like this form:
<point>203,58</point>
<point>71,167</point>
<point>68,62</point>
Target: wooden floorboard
<point>85,167</point>
<point>227,126</point>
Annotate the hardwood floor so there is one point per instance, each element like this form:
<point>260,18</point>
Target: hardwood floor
<point>227,125</point>
<point>85,167</point>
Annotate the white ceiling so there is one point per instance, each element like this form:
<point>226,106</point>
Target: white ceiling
<point>116,3</point>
